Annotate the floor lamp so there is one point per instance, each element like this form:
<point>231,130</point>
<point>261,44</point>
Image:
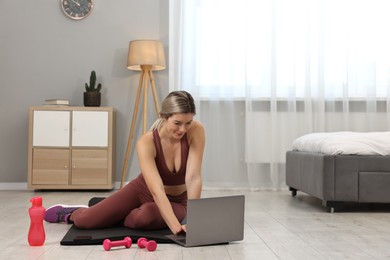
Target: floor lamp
<point>144,56</point>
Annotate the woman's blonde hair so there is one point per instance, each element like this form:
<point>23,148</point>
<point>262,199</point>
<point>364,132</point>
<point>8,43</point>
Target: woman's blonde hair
<point>176,102</point>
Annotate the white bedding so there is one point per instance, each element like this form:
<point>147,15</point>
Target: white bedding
<point>358,143</point>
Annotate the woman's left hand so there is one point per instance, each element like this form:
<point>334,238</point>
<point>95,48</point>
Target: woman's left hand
<point>183,230</point>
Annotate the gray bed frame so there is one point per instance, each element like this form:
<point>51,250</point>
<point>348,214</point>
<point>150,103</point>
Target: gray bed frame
<point>336,179</point>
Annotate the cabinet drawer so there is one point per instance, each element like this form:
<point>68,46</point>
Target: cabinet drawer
<point>90,128</point>
<point>89,166</point>
<point>51,128</point>
<point>50,166</point>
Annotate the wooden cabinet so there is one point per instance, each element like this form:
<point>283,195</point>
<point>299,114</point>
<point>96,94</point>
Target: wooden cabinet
<point>71,148</point>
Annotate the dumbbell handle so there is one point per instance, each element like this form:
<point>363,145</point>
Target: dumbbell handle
<point>107,243</point>
<point>149,245</point>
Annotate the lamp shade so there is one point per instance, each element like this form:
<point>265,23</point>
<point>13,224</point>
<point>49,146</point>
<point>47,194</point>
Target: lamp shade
<point>146,52</point>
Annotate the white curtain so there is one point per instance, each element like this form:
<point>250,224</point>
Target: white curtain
<point>265,72</point>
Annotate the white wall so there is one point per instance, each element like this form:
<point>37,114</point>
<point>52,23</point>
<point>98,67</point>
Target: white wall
<point>44,54</point>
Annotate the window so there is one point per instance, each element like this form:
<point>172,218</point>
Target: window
<point>284,48</point>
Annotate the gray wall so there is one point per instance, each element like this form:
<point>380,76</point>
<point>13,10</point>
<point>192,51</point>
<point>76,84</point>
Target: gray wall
<point>44,54</point>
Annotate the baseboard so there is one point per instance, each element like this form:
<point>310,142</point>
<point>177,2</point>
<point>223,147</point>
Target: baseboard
<point>23,185</point>
<point>13,185</point>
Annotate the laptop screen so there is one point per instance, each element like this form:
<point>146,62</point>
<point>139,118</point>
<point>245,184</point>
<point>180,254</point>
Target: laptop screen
<point>215,220</point>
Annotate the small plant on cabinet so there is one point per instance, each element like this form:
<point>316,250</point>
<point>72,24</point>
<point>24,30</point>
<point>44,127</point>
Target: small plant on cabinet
<point>92,95</point>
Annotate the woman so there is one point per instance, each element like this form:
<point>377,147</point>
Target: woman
<point>170,158</point>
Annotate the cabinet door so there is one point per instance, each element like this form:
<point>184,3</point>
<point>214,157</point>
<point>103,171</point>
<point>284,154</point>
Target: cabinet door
<point>50,166</point>
<point>89,167</point>
<point>90,128</point>
<point>51,128</point>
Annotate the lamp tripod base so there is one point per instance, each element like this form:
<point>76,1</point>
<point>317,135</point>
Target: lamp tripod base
<point>146,76</point>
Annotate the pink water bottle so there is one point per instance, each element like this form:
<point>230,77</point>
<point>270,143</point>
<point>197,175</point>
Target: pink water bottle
<point>36,233</point>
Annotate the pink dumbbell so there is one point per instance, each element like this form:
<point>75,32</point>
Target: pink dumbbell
<point>107,243</point>
<point>149,245</point>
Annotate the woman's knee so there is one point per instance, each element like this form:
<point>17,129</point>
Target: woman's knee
<point>145,217</point>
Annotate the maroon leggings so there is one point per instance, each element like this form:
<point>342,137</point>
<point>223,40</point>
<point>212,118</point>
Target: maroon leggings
<point>132,206</point>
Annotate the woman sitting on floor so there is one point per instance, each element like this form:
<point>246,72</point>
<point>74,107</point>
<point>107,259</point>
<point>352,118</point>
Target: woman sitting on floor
<point>170,158</point>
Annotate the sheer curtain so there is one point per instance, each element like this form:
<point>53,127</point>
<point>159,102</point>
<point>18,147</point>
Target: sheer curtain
<point>265,72</point>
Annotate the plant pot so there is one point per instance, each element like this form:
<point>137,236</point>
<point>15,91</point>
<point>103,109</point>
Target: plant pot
<point>92,99</point>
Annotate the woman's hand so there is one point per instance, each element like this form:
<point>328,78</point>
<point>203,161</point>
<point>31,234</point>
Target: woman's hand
<point>182,230</point>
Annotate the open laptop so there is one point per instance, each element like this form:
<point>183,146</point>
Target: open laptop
<point>211,221</point>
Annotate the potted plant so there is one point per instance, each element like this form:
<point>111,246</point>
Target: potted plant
<point>92,95</point>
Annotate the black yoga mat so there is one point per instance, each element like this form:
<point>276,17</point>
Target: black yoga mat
<point>77,237</point>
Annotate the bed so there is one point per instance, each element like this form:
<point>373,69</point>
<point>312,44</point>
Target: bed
<point>341,167</point>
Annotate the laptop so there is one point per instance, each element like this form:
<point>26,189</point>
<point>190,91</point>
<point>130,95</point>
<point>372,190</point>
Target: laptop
<point>212,221</point>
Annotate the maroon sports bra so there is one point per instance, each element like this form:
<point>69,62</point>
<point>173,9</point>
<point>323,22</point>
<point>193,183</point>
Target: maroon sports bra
<point>168,177</point>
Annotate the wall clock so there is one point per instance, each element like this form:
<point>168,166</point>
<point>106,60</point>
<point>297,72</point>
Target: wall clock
<point>77,9</point>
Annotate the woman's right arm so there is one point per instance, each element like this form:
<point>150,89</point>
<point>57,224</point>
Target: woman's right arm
<point>146,153</point>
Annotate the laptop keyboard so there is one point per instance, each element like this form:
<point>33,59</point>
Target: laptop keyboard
<point>181,238</point>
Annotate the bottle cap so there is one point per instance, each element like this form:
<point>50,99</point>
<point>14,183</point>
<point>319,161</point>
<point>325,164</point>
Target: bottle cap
<point>36,201</point>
